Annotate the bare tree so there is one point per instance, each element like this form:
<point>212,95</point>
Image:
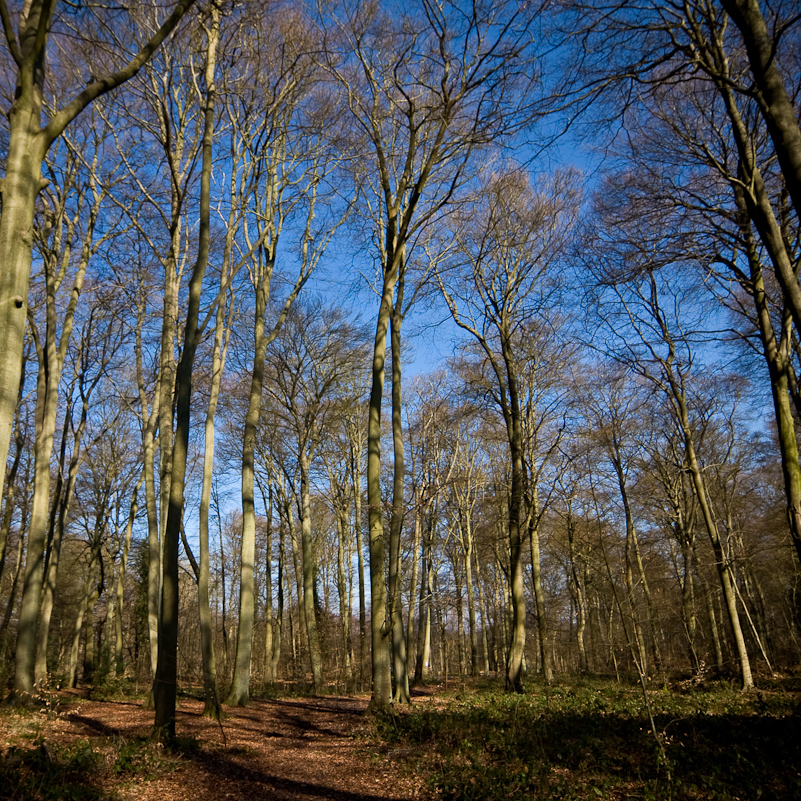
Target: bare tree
<point>503,252</point>
<point>293,165</point>
<point>166,681</point>
<point>427,87</point>
<point>29,142</point>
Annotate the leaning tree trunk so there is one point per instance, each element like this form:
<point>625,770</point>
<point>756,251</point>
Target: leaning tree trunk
<point>721,561</point>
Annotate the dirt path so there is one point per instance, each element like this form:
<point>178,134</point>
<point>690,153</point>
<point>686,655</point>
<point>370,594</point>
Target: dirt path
<point>287,750</point>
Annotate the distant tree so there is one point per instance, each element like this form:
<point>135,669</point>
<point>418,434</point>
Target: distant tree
<point>497,279</point>
<point>428,87</point>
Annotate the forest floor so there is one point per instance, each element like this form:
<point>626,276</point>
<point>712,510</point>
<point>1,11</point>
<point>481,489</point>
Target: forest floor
<point>580,739</point>
<point>282,750</point>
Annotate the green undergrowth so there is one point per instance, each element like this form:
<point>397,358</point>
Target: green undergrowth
<point>85,771</point>
<point>594,740</point>
<point>48,773</point>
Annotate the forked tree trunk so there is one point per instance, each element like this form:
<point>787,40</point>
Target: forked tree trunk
<point>166,685</point>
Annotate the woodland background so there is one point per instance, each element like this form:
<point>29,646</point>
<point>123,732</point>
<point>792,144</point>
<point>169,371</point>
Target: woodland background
<point>591,209</point>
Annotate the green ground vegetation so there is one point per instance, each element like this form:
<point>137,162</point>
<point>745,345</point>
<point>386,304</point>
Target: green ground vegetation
<point>594,739</point>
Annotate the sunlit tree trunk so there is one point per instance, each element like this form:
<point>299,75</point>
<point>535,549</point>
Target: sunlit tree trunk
<point>166,684</point>
<point>119,664</point>
<point>400,693</point>
<point>308,565</point>
<point>379,621</point>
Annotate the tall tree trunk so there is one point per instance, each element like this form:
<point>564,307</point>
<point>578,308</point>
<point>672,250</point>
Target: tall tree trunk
<point>539,593</point>
<point>166,685</point>
<point>485,616</point>
<point>239,694</point>
<point>356,477</point>
<point>379,622</point>
<point>514,667</point>
<point>297,563</point>
<point>423,660</point>
<point>308,566</point>
<point>119,665</point>
<point>581,600</point>
<point>211,694</point>
<point>410,639</point>
<point>148,427</point>
<point>342,591</point>
<point>279,612</point>
<point>269,675</point>
<point>401,693</point>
